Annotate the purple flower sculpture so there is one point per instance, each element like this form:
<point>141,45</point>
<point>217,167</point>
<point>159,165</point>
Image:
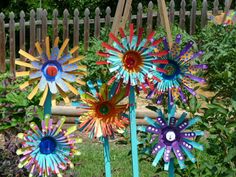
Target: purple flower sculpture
<point>179,72</point>
<point>172,139</point>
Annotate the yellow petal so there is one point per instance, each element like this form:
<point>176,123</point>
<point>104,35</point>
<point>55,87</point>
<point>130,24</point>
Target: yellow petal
<point>22,63</point>
<point>22,73</point>
<point>34,91</point>
<point>62,48</point>
<point>74,49</point>
<point>27,55</point>
<point>45,93</point>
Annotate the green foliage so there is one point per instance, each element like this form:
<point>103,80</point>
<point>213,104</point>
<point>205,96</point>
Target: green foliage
<point>15,109</point>
<point>219,45</point>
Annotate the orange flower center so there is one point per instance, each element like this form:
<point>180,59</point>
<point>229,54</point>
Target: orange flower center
<point>132,61</point>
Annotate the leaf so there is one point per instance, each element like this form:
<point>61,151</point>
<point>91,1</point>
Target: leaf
<point>231,154</point>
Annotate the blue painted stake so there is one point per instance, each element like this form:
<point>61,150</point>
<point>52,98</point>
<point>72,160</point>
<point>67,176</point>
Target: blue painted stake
<point>48,104</point>
<point>171,168</point>
<point>133,129</point>
<point>107,160</point>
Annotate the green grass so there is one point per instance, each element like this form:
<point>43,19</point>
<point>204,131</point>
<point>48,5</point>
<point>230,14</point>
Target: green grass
<point>90,163</point>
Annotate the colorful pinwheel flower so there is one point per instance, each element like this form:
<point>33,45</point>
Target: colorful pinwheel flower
<point>105,114</point>
<point>132,58</point>
<point>230,18</point>
<point>52,71</point>
<point>172,137</point>
<point>179,72</point>
<point>45,152</point>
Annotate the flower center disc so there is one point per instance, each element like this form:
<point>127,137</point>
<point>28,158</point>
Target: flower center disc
<point>47,145</point>
<point>170,136</point>
<point>52,71</point>
<point>170,69</point>
<point>132,61</point>
<point>104,109</point>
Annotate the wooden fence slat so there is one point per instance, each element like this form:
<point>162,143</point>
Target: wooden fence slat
<point>204,19</point>
<point>159,22</point>
<point>139,15</point>
<point>182,16</point>
<point>32,32</point>
<point>44,25</point>
<point>22,34</point>
<point>216,7</point>
<point>129,19</point>
<point>39,27</point>
<point>108,17</point>
<point>76,30</point>
<point>86,29</point>
<point>97,23</point>
<point>55,24</point>
<point>193,17</point>
<point>2,44</point>
<point>12,43</point>
<point>172,12</point>
<point>66,27</point>
<point>150,17</point>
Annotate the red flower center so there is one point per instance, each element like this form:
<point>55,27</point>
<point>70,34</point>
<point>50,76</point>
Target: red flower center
<point>132,61</point>
<point>52,71</point>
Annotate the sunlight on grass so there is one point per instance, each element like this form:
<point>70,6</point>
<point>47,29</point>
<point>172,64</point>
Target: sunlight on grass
<point>91,164</point>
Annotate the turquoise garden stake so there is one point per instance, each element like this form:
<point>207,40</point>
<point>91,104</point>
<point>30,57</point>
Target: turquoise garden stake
<point>104,116</point>
<point>45,152</point>
<point>132,59</point>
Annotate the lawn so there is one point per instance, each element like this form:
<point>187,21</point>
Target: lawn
<point>90,163</point>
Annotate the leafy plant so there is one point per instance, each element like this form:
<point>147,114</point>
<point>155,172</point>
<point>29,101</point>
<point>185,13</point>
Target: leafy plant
<point>219,45</point>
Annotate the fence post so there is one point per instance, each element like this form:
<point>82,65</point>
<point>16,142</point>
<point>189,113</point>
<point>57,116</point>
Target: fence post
<point>204,14</point>
<point>32,32</point>
<point>182,15</point>
<point>150,17</point>
<point>55,24</point>
<point>97,23</point>
<point>22,34</point>
<point>2,44</point>
<point>139,15</point>
<point>172,12</point>
<point>108,17</point>
<point>193,17</point>
<point>39,24</point>
<point>12,43</point>
<point>66,26</point>
<point>86,29</point>
<point>44,25</point>
<point>76,30</point>
<point>216,7</point>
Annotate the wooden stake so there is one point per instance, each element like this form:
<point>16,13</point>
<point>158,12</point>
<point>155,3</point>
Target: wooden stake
<point>165,20</point>
<point>126,13</point>
<point>117,18</point>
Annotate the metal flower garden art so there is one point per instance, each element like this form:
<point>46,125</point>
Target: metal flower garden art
<point>133,61</point>
<point>171,138</point>
<point>44,152</point>
<point>52,71</point>
<point>179,72</point>
<point>104,113</point>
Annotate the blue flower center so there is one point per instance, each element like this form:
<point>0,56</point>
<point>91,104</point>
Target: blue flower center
<point>51,69</point>
<point>172,70</point>
<point>47,145</point>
